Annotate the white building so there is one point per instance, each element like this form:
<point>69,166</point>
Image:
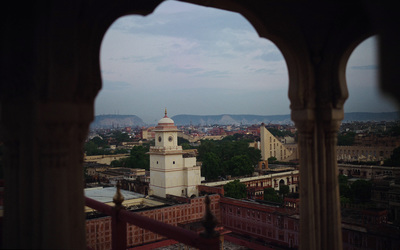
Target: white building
<point>171,170</point>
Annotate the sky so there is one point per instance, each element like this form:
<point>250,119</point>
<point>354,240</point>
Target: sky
<point>204,61</point>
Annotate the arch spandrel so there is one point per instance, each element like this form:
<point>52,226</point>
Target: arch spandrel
<point>95,20</point>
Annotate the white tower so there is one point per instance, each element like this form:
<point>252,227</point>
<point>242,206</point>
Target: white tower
<point>170,171</point>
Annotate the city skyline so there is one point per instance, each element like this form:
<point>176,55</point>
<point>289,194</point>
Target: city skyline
<point>203,61</point>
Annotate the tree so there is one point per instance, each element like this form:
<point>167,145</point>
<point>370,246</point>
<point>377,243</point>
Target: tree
<point>271,195</point>
<point>92,149</point>
<point>121,137</point>
<point>184,143</point>
<point>139,157</point>
<point>284,190</point>
<point>254,155</point>
<point>279,133</point>
<point>224,152</point>
<point>211,167</point>
<point>186,146</point>
<point>116,163</point>
<point>344,189</point>
<point>99,141</point>
<point>394,158</point>
<point>235,189</point>
<point>346,139</point>
<point>361,190</point>
<point>240,165</point>
<point>271,160</point>
<point>394,131</point>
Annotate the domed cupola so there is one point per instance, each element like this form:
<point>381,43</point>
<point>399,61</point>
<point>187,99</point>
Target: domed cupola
<point>165,120</point>
<point>165,123</point>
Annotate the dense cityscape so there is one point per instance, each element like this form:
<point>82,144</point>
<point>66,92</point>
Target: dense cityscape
<point>249,181</point>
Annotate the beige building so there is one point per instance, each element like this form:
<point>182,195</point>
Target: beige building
<point>368,171</point>
<point>148,133</point>
<point>363,153</point>
<point>172,171</point>
<point>271,146</point>
<point>104,159</point>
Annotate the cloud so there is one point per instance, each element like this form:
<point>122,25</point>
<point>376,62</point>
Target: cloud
<point>213,73</point>
<point>265,71</point>
<point>174,69</point>
<point>200,60</point>
<point>271,56</point>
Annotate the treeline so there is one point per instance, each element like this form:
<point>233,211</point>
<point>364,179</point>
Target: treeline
<point>280,133</point>
<point>138,158</point>
<point>227,157</point>
<point>100,146</point>
<point>355,192</point>
<point>346,139</point>
<point>394,160</point>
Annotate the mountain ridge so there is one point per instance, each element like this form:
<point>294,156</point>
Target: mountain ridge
<point>116,121</point>
<point>113,121</point>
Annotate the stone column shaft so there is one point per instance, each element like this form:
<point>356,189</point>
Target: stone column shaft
<point>44,174</point>
<point>320,222</point>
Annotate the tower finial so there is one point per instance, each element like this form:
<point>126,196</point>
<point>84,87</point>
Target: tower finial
<point>165,112</point>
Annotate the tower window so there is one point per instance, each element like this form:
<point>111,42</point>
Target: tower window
<point>173,162</point>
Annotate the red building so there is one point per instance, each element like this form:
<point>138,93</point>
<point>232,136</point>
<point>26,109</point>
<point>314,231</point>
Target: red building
<point>98,230</point>
<point>274,225</point>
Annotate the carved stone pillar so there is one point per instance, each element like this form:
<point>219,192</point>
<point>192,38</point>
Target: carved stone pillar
<point>44,175</point>
<point>320,222</point>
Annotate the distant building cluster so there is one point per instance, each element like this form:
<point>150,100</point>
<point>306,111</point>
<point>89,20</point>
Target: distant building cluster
<point>173,190</point>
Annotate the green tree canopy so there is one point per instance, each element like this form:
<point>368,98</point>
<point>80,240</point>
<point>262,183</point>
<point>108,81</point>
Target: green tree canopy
<point>240,165</point>
<point>91,148</point>
<point>235,189</point>
<point>279,133</point>
<point>271,195</point>
<point>121,137</point>
<point>99,141</point>
<point>140,158</point>
<point>361,190</point>
<point>394,131</point>
<point>182,140</point>
<point>225,151</point>
<point>394,158</point>
<point>346,139</point>
<point>344,188</point>
<point>271,160</point>
<point>284,190</point>
<point>211,167</point>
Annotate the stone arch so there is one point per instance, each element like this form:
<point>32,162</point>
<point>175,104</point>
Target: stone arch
<point>282,182</point>
<point>60,43</point>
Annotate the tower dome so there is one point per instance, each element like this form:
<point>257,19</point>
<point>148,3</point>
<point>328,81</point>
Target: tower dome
<point>166,120</point>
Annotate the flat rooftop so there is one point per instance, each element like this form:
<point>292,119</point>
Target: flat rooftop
<point>132,200</point>
<point>106,194</point>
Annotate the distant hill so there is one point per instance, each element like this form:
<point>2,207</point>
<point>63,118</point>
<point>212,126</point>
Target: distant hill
<point>367,116</point>
<point>274,119</point>
<point>110,121</point>
<point>230,119</point>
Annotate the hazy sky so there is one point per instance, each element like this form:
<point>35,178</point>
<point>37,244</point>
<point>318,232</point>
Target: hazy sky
<point>204,61</point>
